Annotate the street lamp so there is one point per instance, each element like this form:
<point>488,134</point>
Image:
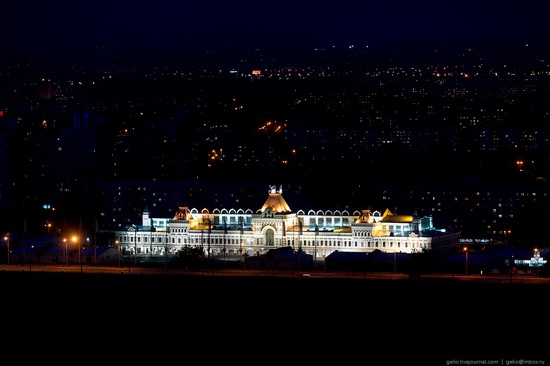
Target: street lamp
<point>224,238</point>
<point>80,249</point>
<point>537,256</point>
<point>136,228</point>
<point>30,258</point>
<point>66,251</point>
<point>165,242</point>
<point>7,239</point>
<point>508,255</point>
<point>117,243</point>
<point>74,239</point>
<point>466,253</point>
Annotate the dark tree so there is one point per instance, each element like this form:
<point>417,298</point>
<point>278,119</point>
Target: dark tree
<point>190,256</point>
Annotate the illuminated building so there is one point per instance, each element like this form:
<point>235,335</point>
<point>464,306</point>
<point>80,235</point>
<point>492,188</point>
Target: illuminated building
<point>232,233</point>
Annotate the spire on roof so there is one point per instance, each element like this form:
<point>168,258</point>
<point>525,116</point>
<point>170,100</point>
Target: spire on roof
<point>273,189</point>
<point>365,217</point>
<point>276,201</point>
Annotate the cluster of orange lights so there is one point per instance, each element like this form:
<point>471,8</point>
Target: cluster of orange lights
<point>215,155</point>
<point>73,238</point>
<point>270,126</point>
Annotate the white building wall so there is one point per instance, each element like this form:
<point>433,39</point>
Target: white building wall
<point>320,235</point>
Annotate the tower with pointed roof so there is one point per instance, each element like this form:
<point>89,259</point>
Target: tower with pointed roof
<point>275,202</point>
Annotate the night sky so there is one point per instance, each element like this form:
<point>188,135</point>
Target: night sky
<point>68,27</point>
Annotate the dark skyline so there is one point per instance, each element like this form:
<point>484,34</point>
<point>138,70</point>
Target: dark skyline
<point>460,123</point>
<point>63,28</point>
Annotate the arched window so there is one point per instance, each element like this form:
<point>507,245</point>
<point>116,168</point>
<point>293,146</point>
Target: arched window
<point>270,237</point>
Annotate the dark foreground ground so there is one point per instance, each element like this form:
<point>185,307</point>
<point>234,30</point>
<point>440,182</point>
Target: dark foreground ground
<point>269,320</point>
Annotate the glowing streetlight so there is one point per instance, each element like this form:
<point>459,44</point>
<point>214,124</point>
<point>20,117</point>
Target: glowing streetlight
<point>66,251</point>
<point>537,256</point>
<point>466,251</point>
<point>508,256</point>
<point>30,258</point>
<point>75,239</point>
<point>7,239</point>
<point>117,243</point>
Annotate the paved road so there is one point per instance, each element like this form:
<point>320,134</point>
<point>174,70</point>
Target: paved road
<point>93,269</point>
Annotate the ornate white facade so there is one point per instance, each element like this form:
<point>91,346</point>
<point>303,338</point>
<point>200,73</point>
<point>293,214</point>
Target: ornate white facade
<point>232,233</point>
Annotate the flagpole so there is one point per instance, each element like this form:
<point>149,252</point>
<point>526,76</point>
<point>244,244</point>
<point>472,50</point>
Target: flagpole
<point>24,244</point>
<point>315,246</point>
<point>95,241</point>
<point>224,238</point>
